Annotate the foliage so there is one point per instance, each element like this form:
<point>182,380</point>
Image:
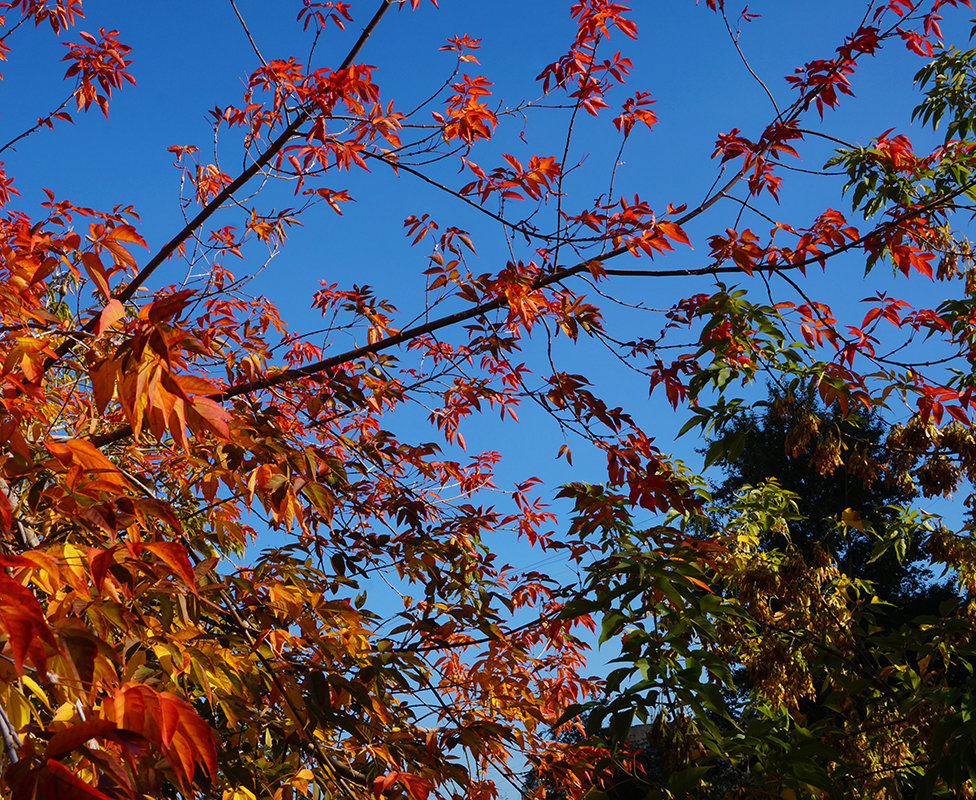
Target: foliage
<point>832,486</point>
<point>156,417</point>
<point>852,494</point>
<point>840,702</point>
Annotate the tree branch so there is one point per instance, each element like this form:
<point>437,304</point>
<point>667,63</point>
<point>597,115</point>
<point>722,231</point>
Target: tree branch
<point>126,293</point>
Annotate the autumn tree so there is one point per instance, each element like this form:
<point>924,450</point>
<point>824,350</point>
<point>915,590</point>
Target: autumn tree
<point>245,556</point>
<point>852,493</point>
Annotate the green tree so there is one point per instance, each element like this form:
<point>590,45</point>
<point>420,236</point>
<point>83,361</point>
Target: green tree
<point>851,490</point>
<point>765,673</point>
<point>811,490</point>
<point>860,683</point>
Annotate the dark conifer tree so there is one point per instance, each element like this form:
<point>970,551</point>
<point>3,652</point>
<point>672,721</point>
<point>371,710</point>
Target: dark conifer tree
<point>849,486</point>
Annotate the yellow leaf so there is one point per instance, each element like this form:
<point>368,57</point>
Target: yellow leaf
<point>36,690</point>
<point>18,709</point>
<point>852,518</point>
<point>65,713</point>
<point>240,793</point>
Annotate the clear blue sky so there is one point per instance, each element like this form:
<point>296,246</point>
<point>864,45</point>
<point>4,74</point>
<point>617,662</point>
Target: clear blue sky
<point>189,57</point>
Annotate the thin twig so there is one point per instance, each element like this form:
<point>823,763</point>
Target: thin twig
<point>247,32</point>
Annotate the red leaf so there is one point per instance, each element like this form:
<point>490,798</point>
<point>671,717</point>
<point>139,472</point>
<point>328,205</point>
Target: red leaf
<point>57,782</point>
<point>6,513</point>
<point>66,740</point>
<point>193,745</point>
<point>416,786</point>
<point>959,414</point>
<point>22,619</point>
<point>98,562</point>
<point>384,782</point>
<point>169,306</point>
<point>169,719</point>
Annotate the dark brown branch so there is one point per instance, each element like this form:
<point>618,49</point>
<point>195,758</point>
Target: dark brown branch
<point>289,375</point>
<point>126,293</point>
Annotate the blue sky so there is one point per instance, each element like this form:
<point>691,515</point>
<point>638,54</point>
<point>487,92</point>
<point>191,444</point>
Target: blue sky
<point>189,57</point>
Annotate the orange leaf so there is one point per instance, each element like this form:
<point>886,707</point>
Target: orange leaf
<point>112,313</point>
<point>102,376</point>
<point>212,415</point>
<point>95,270</point>
<point>126,233</point>
<point>168,722</point>
<point>121,255</point>
<point>674,231</point>
<point>194,384</point>
<point>192,742</point>
<point>174,556</point>
<point>416,786</point>
<point>84,454</point>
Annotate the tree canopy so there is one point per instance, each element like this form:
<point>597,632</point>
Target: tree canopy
<point>256,551</point>
<point>841,496</point>
<point>852,493</point>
